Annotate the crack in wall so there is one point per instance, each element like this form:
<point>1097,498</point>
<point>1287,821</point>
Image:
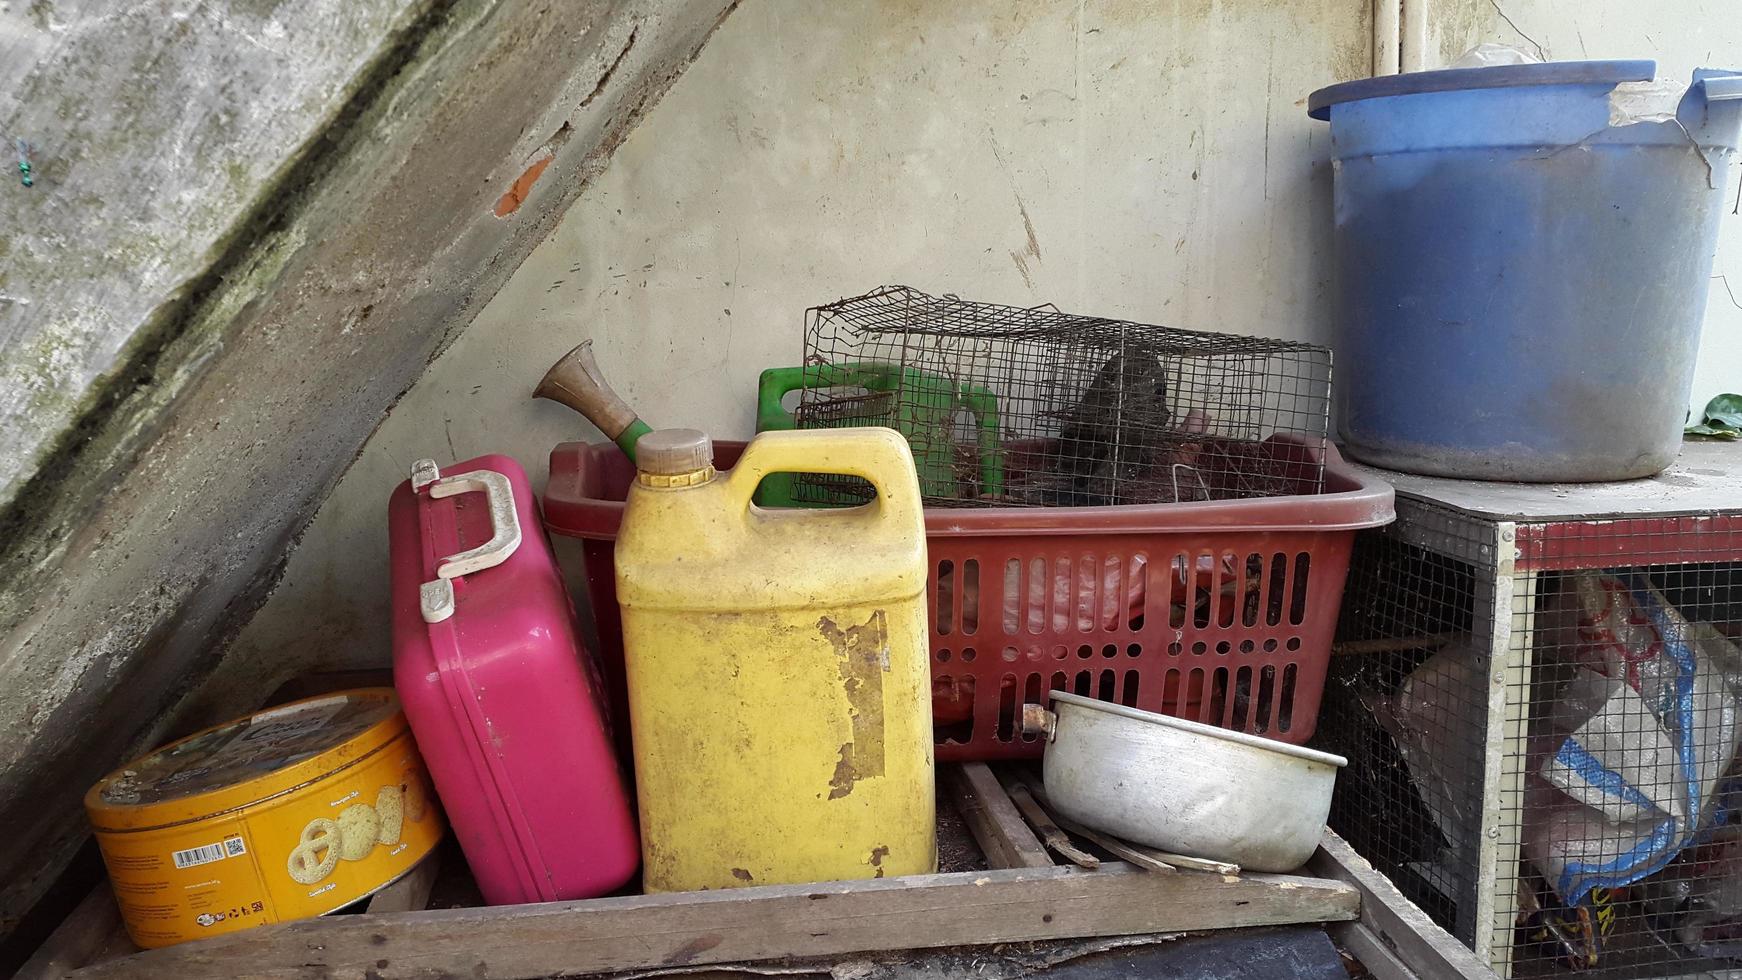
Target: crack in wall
<point>610,70</point>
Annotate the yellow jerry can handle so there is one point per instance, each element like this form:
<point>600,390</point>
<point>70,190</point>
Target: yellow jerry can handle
<point>878,455</point>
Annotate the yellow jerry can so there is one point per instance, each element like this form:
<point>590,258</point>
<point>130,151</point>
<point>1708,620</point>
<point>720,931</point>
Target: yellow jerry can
<point>779,691</point>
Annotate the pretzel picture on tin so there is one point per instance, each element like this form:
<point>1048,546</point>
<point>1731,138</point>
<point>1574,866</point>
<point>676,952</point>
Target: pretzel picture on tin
<point>316,853</point>
<point>359,827</point>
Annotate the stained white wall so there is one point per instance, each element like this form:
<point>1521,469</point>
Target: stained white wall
<point>1137,158</point>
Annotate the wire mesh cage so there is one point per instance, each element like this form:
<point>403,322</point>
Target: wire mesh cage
<point>1012,406</point>
<point>1542,723</point>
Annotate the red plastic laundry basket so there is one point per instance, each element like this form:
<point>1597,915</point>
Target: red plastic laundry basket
<point>1219,611</point>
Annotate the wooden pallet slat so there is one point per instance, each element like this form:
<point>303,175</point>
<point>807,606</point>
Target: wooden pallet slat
<point>754,924</point>
<point>1118,848</point>
<point>1050,832</point>
<point>1030,899</point>
<point>1140,854</point>
<point>1393,937</point>
<point>91,933</point>
<point>992,818</point>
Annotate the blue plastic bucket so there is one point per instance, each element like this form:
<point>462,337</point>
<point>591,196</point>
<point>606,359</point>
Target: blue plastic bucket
<point>1521,281</point>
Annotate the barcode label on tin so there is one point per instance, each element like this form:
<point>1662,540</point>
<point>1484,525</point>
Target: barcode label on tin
<point>193,857</point>
<point>233,847</point>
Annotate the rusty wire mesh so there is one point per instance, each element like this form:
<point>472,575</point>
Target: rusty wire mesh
<point>1014,406</point>
<point>1542,734</point>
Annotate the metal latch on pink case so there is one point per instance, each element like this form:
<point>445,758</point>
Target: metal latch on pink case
<point>436,597</point>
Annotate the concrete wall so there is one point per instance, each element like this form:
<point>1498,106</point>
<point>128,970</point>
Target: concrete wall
<point>221,350</point>
<point>1128,157</point>
<point>1137,159</point>
<point>93,271</point>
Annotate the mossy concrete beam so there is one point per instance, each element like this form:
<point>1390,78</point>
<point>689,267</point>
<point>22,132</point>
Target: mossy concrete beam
<point>152,132</point>
<point>202,378</point>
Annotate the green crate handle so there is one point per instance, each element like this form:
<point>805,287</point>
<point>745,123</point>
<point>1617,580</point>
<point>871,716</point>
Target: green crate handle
<point>936,467</point>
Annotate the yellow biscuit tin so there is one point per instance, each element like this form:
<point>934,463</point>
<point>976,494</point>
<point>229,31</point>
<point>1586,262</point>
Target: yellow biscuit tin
<point>292,812</point>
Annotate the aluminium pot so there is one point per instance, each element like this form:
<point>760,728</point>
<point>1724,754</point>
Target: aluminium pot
<point>1183,786</point>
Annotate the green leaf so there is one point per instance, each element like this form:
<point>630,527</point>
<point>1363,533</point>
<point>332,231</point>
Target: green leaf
<point>1712,432</point>
<point>1725,409</point>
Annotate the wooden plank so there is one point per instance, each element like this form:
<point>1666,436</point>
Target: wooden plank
<point>1149,854</point>
<point>92,933</point>
<point>1188,862</point>
<point>1051,834</point>
<point>752,924</point>
<point>999,829</point>
<point>411,892</point>
<point>1513,612</point>
<point>1107,842</point>
<point>1370,951</point>
<point>1118,848</point>
<point>1396,923</point>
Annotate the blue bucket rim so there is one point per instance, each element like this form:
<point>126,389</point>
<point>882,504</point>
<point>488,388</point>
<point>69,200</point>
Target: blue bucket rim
<point>1496,76</point>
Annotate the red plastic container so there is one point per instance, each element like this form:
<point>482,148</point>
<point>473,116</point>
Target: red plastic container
<point>1218,611</point>
<point>502,697</point>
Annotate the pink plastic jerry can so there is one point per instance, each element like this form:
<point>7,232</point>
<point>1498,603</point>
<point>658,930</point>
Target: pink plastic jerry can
<point>500,692</point>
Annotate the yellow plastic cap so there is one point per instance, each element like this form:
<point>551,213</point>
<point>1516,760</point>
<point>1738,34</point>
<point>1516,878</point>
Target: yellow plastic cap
<point>674,452</point>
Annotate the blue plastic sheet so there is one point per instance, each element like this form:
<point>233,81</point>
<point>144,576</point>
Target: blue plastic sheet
<point>1642,734</point>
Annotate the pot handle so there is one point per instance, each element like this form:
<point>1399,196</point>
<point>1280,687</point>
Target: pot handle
<point>1036,720</point>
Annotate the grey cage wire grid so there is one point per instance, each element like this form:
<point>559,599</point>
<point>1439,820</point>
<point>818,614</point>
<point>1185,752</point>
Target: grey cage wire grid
<point>1012,406</point>
<point>1541,720</point>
